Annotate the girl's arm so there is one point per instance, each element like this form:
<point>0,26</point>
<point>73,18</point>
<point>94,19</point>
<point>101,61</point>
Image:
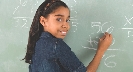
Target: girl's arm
<point>104,43</point>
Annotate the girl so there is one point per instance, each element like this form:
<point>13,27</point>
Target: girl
<point>46,50</point>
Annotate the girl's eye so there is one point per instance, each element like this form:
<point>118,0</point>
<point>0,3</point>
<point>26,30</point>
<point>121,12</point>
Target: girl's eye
<point>68,20</point>
<point>59,19</point>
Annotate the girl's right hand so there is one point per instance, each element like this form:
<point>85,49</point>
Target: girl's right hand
<point>105,42</point>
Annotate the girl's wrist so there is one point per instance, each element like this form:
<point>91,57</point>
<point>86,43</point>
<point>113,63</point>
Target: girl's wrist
<point>101,52</point>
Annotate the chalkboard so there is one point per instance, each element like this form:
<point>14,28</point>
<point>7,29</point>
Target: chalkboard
<point>89,20</point>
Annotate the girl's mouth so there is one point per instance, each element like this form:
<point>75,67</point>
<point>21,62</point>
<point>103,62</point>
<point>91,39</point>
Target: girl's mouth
<point>63,32</point>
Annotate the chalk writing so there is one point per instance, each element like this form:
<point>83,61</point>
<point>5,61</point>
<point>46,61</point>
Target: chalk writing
<point>93,43</point>
<point>110,64</point>
<point>127,28</point>
<point>73,19</point>
<point>72,2</point>
<point>16,9</point>
<point>128,20</point>
<point>101,26</point>
<point>129,33</point>
<point>96,24</point>
<point>24,3</point>
<point>21,4</point>
<point>23,21</point>
<point>33,6</point>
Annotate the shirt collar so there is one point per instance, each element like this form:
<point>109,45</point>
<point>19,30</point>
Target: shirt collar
<point>47,34</point>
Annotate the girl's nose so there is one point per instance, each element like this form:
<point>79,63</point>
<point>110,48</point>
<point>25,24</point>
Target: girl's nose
<point>65,25</point>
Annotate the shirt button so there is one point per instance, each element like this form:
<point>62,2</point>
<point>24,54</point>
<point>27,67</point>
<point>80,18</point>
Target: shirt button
<point>56,42</point>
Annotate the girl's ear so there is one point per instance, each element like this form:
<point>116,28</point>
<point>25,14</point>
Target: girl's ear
<point>43,21</point>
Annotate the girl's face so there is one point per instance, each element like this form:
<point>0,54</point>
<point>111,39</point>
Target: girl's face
<point>57,23</point>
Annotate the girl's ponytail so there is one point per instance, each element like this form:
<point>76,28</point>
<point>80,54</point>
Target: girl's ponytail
<point>35,30</point>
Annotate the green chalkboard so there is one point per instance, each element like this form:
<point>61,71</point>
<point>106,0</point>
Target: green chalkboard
<point>89,20</point>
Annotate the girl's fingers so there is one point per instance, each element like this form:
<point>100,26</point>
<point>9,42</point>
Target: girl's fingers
<point>106,36</point>
<point>110,37</point>
<point>103,37</point>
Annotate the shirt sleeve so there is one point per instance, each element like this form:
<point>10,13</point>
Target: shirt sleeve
<point>68,59</point>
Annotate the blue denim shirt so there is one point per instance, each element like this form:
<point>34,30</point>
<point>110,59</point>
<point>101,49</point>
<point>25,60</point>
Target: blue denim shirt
<point>54,55</point>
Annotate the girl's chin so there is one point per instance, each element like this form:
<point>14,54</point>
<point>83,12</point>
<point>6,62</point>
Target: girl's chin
<point>62,36</point>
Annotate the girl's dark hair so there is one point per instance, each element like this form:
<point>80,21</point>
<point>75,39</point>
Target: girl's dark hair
<point>47,7</point>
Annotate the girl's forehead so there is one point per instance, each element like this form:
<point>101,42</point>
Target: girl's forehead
<point>61,11</point>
